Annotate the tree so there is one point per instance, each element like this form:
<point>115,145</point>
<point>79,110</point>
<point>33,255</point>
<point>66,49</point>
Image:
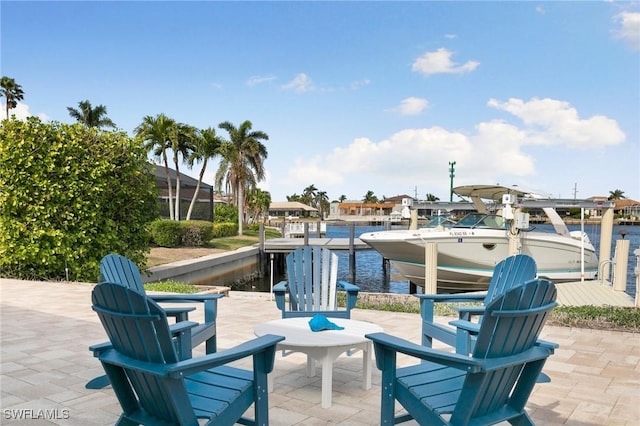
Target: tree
<point>294,197</point>
<point>322,202</point>
<point>431,197</point>
<point>206,147</point>
<point>156,133</point>
<point>258,202</point>
<point>370,197</point>
<point>342,198</point>
<point>242,164</point>
<point>182,137</point>
<point>70,195</point>
<point>309,195</point>
<point>616,195</point>
<point>91,117</point>
<point>12,91</point>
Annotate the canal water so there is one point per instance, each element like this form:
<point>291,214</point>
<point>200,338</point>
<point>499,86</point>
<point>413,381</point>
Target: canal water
<point>369,275</point>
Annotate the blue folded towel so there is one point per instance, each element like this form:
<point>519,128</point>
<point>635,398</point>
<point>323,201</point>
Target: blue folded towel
<point>320,322</point>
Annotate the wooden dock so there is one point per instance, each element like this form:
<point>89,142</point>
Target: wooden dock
<point>285,245</point>
<point>594,293</point>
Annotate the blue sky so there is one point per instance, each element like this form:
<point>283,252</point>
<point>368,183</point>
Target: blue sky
<point>358,96</point>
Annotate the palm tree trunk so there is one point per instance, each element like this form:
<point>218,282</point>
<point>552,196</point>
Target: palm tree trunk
<point>166,171</point>
<point>240,208</point>
<point>177,205</point>
<point>195,194</point>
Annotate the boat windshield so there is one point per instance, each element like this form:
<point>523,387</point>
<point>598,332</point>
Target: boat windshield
<point>443,221</point>
<point>480,220</point>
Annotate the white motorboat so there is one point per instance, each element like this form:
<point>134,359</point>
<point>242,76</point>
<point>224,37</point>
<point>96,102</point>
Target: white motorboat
<point>469,249</point>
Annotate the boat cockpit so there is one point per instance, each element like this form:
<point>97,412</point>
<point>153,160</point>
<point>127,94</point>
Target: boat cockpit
<point>481,220</point>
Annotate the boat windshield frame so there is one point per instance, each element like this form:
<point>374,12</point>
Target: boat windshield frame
<point>441,221</point>
<point>482,221</point>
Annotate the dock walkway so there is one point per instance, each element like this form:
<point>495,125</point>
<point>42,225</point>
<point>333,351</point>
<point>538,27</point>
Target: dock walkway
<point>285,245</point>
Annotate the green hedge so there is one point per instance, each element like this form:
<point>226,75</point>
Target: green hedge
<point>68,196</point>
<point>165,233</point>
<point>192,233</point>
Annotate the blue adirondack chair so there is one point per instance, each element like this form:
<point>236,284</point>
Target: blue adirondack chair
<point>488,387</point>
<point>312,285</point>
<point>115,268</point>
<point>513,271</point>
<point>154,386</point>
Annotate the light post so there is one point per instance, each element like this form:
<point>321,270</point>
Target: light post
<point>452,169</point>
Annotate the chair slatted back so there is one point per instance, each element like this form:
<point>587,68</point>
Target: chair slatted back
<point>511,271</point>
<point>511,325</point>
<point>137,328</point>
<point>115,268</point>
<point>312,273</point>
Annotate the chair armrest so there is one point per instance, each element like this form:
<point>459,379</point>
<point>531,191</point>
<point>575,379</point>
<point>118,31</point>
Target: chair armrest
<point>184,298</point>
<point>348,287</point>
<point>466,312</point>
<point>280,290</point>
<point>210,303</point>
<point>180,314</point>
<point>471,327</point>
<point>386,342</point>
<point>451,298</point>
<point>352,293</point>
<point>266,343</point>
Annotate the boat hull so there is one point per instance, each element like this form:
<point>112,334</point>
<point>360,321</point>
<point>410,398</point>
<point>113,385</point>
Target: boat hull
<point>466,257</point>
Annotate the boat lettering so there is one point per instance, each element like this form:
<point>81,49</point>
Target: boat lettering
<point>459,233</point>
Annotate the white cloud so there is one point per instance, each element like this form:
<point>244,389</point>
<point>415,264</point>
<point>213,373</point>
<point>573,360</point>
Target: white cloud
<point>412,106</point>
<point>496,151</point>
<point>439,62</point>
<point>629,29</point>
<point>549,121</point>
<point>21,112</point>
<point>301,83</point>
<point>255,80</point>
<point>359,84</point>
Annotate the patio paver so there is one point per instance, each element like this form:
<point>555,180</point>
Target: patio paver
<point>46,328</point>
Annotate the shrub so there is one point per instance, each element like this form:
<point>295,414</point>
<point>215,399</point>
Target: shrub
<point>166,233</point>
<point>68,196</point>
<point>196,233</point>
<point>223,213</point>
<point>225,230</point>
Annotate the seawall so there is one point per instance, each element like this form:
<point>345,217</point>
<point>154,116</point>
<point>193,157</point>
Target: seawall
<point>220,269</point>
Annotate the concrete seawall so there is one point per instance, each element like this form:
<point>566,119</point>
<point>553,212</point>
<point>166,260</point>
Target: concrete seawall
<point>220,269</point>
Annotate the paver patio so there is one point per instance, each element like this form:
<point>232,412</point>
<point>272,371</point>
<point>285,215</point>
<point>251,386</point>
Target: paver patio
<point>46,329</point>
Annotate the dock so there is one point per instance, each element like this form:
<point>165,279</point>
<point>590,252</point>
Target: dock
<point>285,245</point>
<point>592,293</point>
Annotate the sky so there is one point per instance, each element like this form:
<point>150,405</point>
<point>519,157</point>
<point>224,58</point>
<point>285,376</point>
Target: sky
<point>357,96</point>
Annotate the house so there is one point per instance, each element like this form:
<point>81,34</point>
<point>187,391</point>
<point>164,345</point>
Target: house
<point>205,201</point>
<point>291,210</point>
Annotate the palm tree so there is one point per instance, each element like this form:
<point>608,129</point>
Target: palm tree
<point>182,143</point>
<point>342,198</point>
<point>309,195</point>
<point>242,164</point>
<point>616,195</point>
<point>206,147</point>
<point>156,132</point>
<point>322,202</point>
<point>370,197</point>
<point>431,197</point>
<point>12,91</point>
<point>294,197</point>
<point>91,117</point>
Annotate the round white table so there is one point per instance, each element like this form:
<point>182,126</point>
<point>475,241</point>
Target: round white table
<point>324,346</point>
